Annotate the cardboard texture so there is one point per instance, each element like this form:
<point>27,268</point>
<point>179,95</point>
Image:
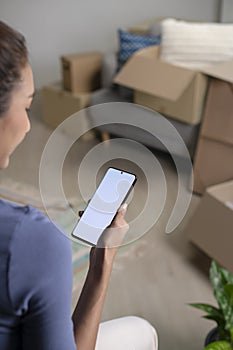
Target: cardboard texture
<point>218,117</point>
<point>223,71</point>
<point>210,227</point>
<point>59,104</point>
<point>81,72</point>
<point>175,91</point>
<point>213,162</point>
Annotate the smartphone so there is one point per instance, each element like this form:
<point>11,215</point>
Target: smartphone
<point>102,208</point>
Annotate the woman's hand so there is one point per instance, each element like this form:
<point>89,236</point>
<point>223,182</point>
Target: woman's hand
<point>87,314</point>
<point>102,256</point>
<point>113,236</point>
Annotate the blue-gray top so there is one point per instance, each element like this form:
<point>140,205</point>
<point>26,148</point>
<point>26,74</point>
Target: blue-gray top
<point>35,282</point>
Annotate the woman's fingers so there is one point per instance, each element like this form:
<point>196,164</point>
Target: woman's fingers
<point>114,234</point>
<point>119,219</point>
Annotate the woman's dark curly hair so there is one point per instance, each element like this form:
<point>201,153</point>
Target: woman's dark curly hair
<point>13,58</point>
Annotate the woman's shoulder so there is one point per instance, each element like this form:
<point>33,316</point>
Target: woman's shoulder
<point>33,247</point>
<point>12,215</point>
<point>11,212</point>
<point>26,223</point>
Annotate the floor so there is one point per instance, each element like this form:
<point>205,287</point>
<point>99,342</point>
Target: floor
<point>162,274</point>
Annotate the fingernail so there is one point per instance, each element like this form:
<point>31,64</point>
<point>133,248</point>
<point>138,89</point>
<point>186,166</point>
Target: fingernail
<point>124,206</point>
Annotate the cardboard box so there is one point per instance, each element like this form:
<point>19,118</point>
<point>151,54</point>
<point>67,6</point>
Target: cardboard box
<point>210,227</point>
<point>81,72</point>
<point>59,104</point>
<point>213,162</point>
<point>218,117</point>
<point>171,90</point>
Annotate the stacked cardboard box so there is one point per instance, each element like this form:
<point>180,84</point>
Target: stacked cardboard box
<point>213,161</point>
<point>174,91</point>
<point>210,227</point>
<point>81,72</point>
<point>59,104</point>
<point>181,93</point>
<point>171,90</point>
<point>80,76</point>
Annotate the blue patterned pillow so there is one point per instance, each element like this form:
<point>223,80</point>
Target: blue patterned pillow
<point>129,43</point>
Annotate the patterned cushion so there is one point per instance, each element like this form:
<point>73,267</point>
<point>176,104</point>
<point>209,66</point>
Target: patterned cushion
<point>130,43</point>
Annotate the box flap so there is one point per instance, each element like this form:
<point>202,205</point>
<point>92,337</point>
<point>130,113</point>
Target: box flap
<point>146,73</point>
<point>223,191</point>
<point>79,56</point>
<point>223,71</point>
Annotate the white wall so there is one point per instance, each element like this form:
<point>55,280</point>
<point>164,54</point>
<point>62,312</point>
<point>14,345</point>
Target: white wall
<point>226,11</point>
<point>56,27</point>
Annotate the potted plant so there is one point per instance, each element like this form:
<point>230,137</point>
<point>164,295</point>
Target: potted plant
<point>220,338</point>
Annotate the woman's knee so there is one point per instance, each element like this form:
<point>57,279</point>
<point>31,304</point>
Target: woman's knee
<point>145,331</point>
<point>131,331</point>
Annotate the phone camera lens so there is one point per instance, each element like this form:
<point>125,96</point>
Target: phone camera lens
<point>121,172</point>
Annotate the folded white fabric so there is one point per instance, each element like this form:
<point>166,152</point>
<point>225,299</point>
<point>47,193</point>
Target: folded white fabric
<point>196,45</point>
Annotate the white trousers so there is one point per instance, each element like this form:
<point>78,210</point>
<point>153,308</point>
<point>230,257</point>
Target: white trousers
<point>127,333</point>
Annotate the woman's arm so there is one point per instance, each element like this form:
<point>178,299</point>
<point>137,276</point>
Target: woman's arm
<point>87,314</point>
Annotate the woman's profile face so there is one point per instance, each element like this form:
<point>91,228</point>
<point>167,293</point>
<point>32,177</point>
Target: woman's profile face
<point>14,124</point>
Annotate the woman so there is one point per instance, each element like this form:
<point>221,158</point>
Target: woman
<point>35,258</point>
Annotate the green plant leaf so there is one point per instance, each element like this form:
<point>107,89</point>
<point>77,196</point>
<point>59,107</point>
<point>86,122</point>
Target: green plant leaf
<point>219,279</point>
<point>231,335</point>
<point>216,315</point>
<point>212,313</point>
<point>220,322</point>
<point>210,309</point>
<point>223,334</point>
<point>227,275</point>
<point>219,345</point>
<point>229,292</point>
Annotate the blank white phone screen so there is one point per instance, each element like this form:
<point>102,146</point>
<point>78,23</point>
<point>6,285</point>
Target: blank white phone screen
<point>104,204</point>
